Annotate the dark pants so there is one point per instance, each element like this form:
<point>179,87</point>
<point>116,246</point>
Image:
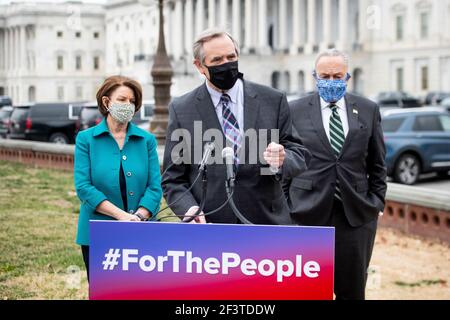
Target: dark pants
<point>85,252</point>
<point>353,251</point>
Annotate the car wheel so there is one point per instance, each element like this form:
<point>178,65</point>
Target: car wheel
<point>407,169</point>
<point>59,138</point>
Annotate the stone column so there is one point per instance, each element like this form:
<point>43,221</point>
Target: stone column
<point>248,25</point>
<point>199,17</point>
<point>168,29</point>
<point>223,13</point>
<point>263,45</point>
<point>282,22</point>
<point>311,35</point>
<point>326,25</point>
<point>188,25</point>
<point>2,49</point>
<point>296,26</point>
<point>178,26</point>
<point>7,49</point>
<point>211,13</point>
<point>16,48</point>
<point>12,45</point>
<point>23,57</point>
<point>343,25</point>
<point>363,5</point>
<point>236,20</point>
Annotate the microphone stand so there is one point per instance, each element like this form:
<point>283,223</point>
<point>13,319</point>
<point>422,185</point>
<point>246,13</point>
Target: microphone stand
<point>203,171</point>
<point>229,187</point>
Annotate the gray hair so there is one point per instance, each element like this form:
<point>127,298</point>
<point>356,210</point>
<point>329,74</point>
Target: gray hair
<point>208,35</point>
<point>333,53</point>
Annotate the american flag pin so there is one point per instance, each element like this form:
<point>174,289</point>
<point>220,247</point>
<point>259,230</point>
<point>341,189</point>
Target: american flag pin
<point>355,111</point>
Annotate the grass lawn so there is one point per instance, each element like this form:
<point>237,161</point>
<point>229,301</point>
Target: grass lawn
<point>38,221</point>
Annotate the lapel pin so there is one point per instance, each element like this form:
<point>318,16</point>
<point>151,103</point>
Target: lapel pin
<point>355,111</point>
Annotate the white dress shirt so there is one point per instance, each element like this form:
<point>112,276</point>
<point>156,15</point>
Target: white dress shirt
<point>236,104</point>
<point>326,114</point>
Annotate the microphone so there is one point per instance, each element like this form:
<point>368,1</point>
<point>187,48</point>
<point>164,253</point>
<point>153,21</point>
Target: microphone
<point>228,156</point>
<point>209,147</point>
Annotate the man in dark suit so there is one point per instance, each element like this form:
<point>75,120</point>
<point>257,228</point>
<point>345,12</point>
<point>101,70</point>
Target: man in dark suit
<point>231,106</point>
<point>345,183</point>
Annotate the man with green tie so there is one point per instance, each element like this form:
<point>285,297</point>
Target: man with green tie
<point>345,184</point>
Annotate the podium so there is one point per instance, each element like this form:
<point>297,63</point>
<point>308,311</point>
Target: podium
<point>179,261</point>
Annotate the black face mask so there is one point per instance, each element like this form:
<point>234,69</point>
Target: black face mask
<point>224,76</point>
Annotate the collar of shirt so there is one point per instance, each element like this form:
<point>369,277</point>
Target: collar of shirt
<point>340,103</point>
<point>216,95</point>
<point>132,129</point>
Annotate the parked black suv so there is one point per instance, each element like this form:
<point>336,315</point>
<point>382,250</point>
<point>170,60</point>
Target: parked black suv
<point>5,114</point>
<point>397,99</point>
<point>436,97</point>
<point>52,122</point>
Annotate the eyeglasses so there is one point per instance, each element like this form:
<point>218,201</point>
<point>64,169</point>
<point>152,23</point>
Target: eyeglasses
<point>345,78</point>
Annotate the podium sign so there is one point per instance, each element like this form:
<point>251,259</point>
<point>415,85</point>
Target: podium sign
<point>176,261</point>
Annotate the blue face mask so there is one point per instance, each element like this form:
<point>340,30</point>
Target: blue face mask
<point>332,90</point>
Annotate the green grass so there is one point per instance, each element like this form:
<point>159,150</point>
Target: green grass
<point>38,220</point>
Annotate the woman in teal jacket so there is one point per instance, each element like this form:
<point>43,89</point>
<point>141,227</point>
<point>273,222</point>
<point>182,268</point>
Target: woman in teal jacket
<point>117,175</point>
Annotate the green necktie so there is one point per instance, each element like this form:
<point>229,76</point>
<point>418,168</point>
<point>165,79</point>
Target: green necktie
<point>337,139</point>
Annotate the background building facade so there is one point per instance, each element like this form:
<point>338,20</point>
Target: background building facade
<point>394,45</point>
<point>51,52</point>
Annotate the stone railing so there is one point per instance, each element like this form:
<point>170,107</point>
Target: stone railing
<point>38,154</point>
<point>417,210</point>
<point>43,154</point>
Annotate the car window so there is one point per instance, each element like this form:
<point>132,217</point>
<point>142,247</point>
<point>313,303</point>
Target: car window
<point>446,102</point>
<point>5,101</point>
<point>147,111</point>
<point>445,121</point>
<point>392,124</point>
<point>75,111</point>
<point>51,111</point>
<point>388,101</point>
<point>19,114</point>
<point>427,123</point>
<point>89,113</point>
<point>5,113</point>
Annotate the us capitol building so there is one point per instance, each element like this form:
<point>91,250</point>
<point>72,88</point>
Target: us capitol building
<point>62,51</point>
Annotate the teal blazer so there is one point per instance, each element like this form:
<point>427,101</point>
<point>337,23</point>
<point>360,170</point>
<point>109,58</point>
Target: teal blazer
<point>96,173</point>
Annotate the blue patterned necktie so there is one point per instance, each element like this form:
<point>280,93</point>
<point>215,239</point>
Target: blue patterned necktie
<point>337,139</point>
<point>230,126</point>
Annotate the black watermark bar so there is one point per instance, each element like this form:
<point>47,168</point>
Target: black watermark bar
<point>283,310</point>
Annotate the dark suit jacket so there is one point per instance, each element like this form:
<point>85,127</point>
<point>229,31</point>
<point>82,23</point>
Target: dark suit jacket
<point>259,197</point>
<point>360,167</point>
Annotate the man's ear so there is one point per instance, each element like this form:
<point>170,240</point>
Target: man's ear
<point>199,67</point>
